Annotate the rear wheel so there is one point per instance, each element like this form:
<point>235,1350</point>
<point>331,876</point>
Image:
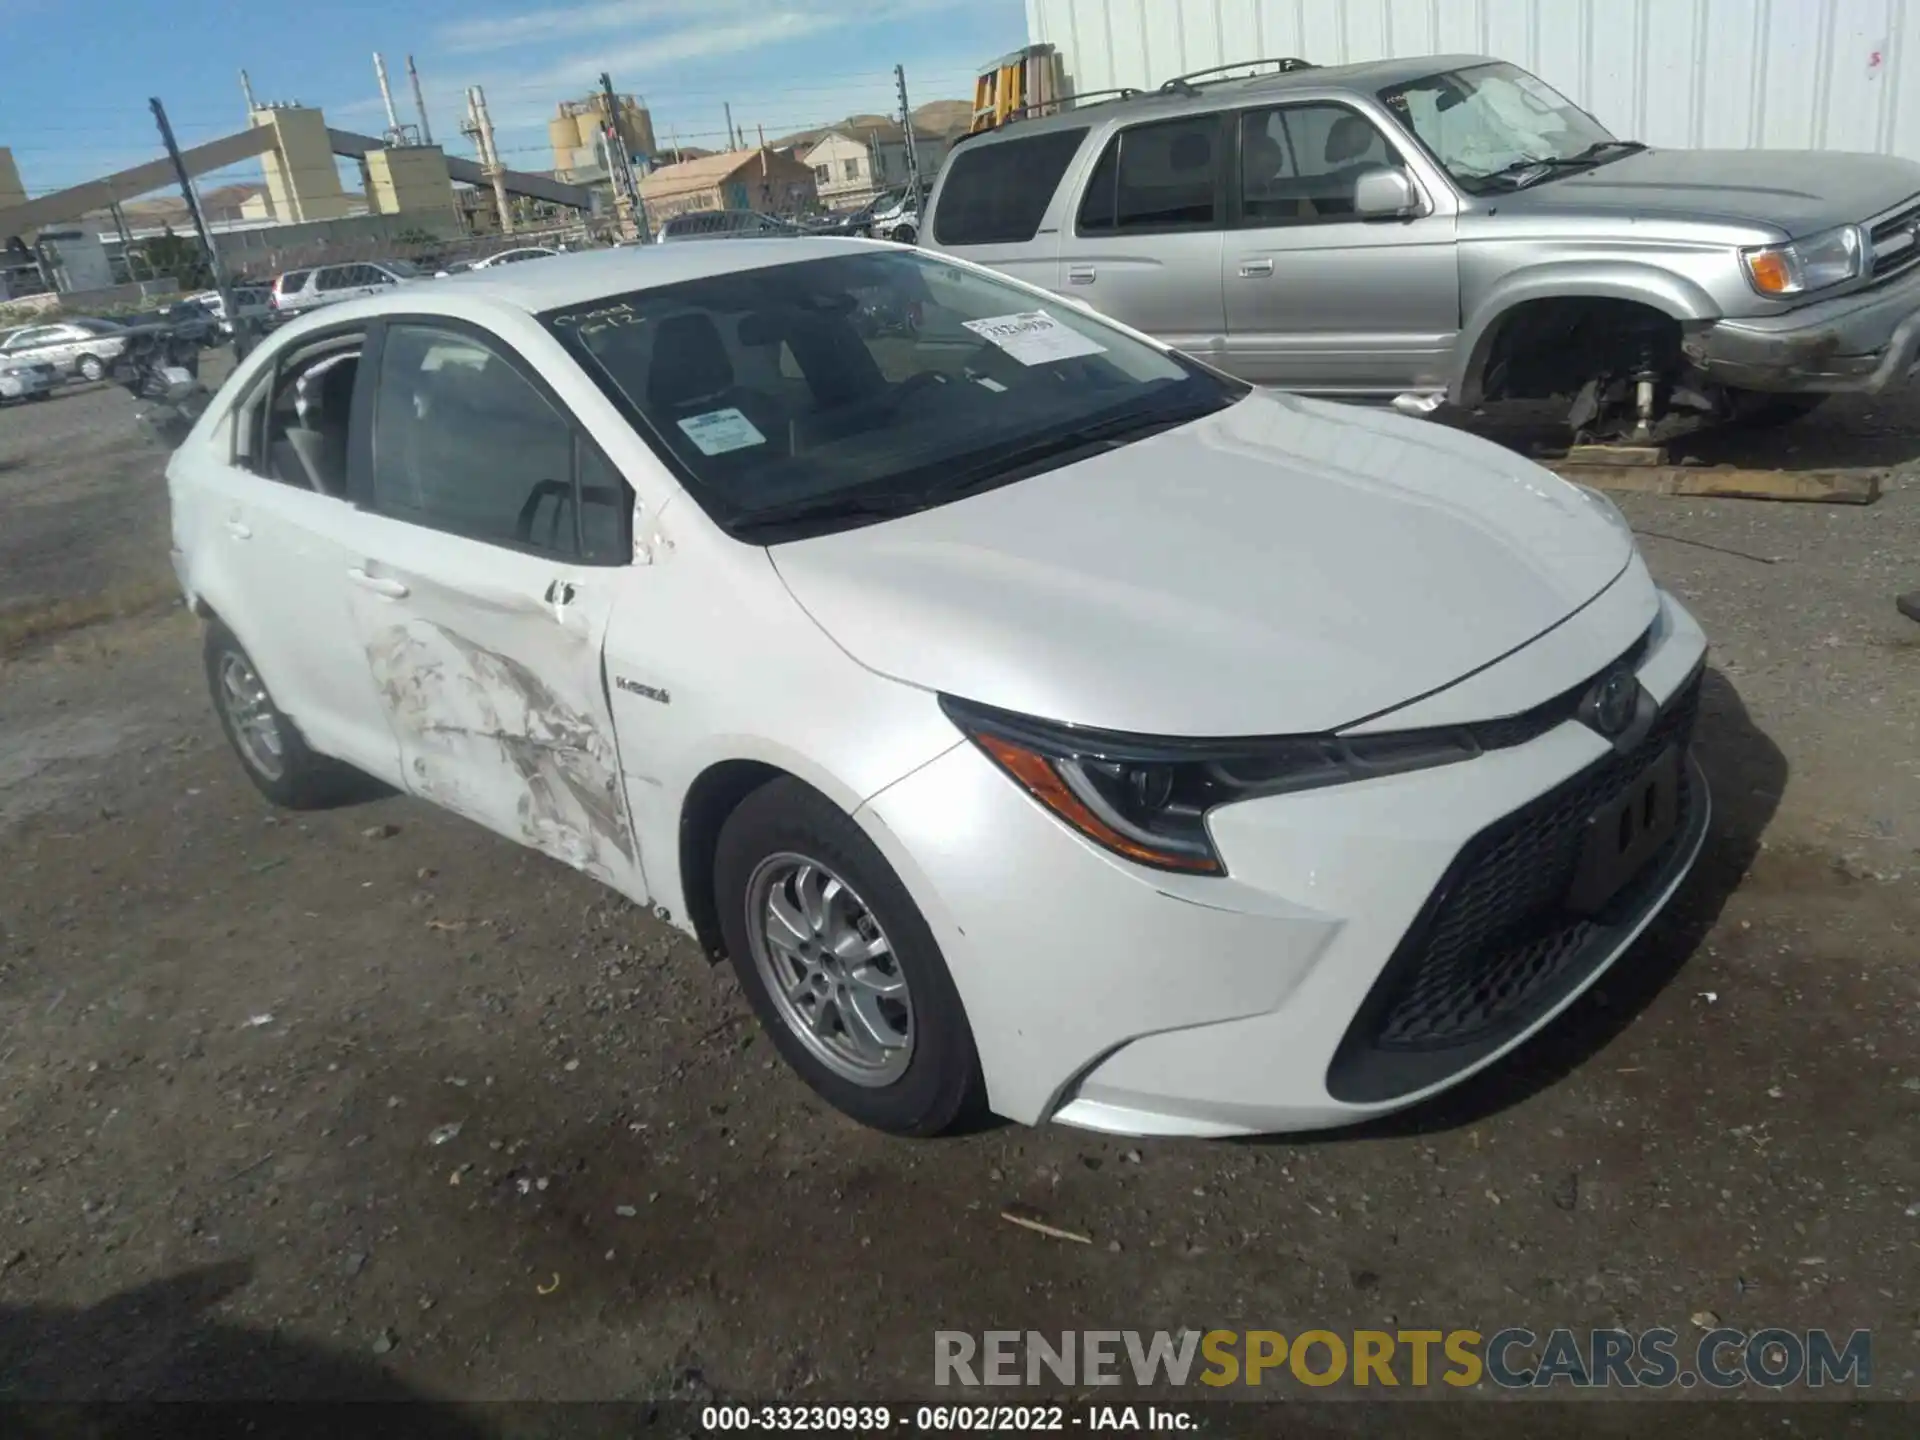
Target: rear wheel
<point>91,368</point>
<point>840,966</point>
<point>270,747</point>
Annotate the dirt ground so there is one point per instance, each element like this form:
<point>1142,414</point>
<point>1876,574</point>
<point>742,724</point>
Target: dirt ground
<point>372,1103</point>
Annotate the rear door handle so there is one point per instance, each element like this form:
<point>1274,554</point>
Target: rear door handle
<point>378,584</point>
<point>1081,275</point>
<point>1253,269</point>
<point>239,529</point>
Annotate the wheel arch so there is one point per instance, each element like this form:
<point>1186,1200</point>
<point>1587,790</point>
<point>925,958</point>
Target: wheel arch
<point>1648,286</point>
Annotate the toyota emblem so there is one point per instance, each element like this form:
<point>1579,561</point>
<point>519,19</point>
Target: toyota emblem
<point>1613,702</point>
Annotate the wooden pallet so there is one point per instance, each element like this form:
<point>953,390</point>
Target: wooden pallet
<point>1645,468</point>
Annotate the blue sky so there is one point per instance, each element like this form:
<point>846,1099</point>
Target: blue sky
<point>784,64</point>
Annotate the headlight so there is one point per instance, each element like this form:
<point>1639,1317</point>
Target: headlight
<point>1810,264</point>
<point>1147,799</point>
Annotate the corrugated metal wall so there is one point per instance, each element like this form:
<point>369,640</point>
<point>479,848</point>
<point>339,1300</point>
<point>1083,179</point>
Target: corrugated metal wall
<point>1771,74</point>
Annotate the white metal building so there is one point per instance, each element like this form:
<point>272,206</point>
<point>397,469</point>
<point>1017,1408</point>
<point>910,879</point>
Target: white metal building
<point>1771,74</point>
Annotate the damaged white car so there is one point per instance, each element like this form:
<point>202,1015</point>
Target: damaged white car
<point>1038,719</point>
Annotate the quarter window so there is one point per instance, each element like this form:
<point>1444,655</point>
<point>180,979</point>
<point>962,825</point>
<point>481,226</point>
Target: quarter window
<point>997,191</point>
<point>464,442</point>
<point>1299,164</point>
<point>294,427</point>
<point>1156,177</point>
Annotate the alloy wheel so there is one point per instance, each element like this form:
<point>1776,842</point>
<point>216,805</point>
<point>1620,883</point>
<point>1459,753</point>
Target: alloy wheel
<point>830,970</point>
<point>250,713</point>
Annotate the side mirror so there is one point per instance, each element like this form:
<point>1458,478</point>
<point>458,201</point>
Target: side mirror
<point>1386,194</point>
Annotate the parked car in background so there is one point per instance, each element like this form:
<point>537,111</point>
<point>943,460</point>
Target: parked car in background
<point>896,217</point>
<point>487,262</point>
<point>80,348</point>
<point>1453,229</point>
<point>1035,717</point>
<point>727,225</point>
<point>26,379</point>
<point>254,303</point>
<point>298,291</point>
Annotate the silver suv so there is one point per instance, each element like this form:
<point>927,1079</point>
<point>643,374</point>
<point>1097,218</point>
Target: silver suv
<point>300,290</point>
<point>1452,228</point>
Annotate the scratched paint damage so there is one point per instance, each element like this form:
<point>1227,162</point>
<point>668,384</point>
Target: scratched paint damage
<point>470,721</point>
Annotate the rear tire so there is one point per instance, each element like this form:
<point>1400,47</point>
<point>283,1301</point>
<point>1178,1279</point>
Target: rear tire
<point>787,849</point>
<point>269,745</point>
<point>91,368</point>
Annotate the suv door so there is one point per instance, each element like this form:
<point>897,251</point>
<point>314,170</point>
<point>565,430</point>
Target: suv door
<point>1146,235</point>
<point>1317,297</point>
<point>493,548</point>
<point>262,510</point>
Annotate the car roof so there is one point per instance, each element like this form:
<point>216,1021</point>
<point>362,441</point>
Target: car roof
<point>1367,75</point>
<point>574,279</point>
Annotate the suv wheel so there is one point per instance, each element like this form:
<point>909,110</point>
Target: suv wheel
<point>839,964</point>
<point>270,748</point>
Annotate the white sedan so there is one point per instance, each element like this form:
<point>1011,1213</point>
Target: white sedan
<point>1037,719</point>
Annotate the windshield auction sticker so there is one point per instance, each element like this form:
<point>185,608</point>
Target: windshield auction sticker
<point>719,431</point>
<point>1034,337</point>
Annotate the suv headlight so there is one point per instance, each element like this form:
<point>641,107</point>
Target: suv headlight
<point>1147,799</point>
<point>1810,264</point>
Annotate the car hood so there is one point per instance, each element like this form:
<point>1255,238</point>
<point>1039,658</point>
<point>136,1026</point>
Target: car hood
<point>1281,566</point>
<point>1797,191</point>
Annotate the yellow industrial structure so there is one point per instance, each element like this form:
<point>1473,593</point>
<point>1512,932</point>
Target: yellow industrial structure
<point>303,182</point>
<point>575,133</point>
<point>12,192</point>
<point>411,178</point>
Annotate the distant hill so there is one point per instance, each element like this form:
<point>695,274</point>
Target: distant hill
<point>943,117</point>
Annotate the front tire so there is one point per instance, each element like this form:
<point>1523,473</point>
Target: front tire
<point>91,368</point>
<point>269,745</point>
<point>840,966</point>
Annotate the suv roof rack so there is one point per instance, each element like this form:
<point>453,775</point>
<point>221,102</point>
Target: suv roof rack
<point>1190,83</point>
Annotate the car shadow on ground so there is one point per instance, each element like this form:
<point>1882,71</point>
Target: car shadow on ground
<point>1747,775</point>
<point>111,1369</point>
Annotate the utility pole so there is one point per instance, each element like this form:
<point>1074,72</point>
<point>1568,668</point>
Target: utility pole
<point>733,136</point>
<point>628,208</point>
<point>419,103</point>
<point>489,156</point>
<point>242,332</point>
<point>906,128</point>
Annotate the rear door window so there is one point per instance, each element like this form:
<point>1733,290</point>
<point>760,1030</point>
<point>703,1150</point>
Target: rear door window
<point>997,192</point>
<point>1165,176</point>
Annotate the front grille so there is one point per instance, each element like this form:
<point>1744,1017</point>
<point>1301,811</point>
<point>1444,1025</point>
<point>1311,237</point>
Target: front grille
<point>1496,945</point>
<point>1896,242</point>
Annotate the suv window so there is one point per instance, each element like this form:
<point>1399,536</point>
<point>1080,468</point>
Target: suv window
<point>293,280</point>
<point>1164,176</point>
<point>464,442</point>
<point>333,277</point>
<point>998,191</point>
<point>1299,164</point>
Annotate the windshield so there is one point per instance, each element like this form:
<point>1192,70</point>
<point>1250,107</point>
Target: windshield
<point>1495,126</point>
<point>826,393</point>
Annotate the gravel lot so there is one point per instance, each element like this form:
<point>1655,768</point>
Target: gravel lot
<point>230,1039</point>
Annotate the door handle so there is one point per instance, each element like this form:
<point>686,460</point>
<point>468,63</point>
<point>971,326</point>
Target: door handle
<point>560,592</point>
<point>378,584</point>
<point>1253,269</point>
<point>1081,275</point>
<point>239,529</point>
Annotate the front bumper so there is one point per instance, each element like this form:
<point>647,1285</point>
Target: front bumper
<point>1132,1001</point>
<point>1861,342</point>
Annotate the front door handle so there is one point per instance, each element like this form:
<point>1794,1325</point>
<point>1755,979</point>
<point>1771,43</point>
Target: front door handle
<point>239,529</point>
<point>560,592</point>
<point>1253,269</point>
<point>1081,275</point>
<point>378,584</point>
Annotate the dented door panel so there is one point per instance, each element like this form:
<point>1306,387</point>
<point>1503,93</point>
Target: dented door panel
<point>488,662</point>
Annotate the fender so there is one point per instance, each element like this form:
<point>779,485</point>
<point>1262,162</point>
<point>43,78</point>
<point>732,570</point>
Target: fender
<point>1649,285</point>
